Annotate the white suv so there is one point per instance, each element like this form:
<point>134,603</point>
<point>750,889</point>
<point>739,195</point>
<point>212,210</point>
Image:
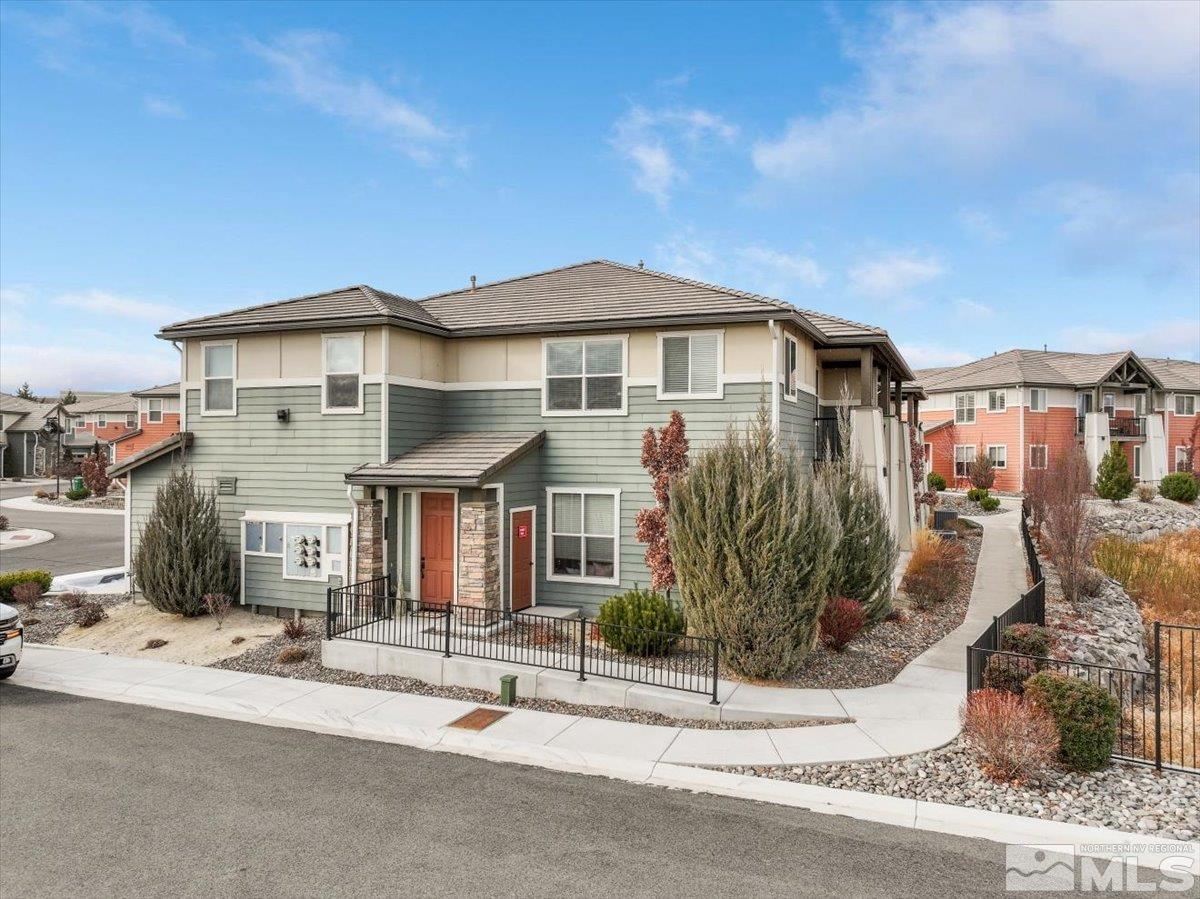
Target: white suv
<point>10,640</point>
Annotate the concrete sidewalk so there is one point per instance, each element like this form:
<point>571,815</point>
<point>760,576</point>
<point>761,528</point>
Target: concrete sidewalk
<point>918,711</point>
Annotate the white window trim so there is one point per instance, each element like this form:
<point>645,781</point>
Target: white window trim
<point>1180,458</point>
<point>794,394</point>
<point>128,423</point>
<point>102,419</point>
<point>362,352</point>
<point>719,393</point>
<point>1001,397</point>
<point>150,410</point>
<point>324,521</point>
<point>995,464</point>
<point>218,413</point>
<point>1184,396</point>
<point>1045,447</point>
<point>615,493</point>
<point>588,413</point>
<point>974,409</point>
<point>974,452</point>
<point>1045,399</point>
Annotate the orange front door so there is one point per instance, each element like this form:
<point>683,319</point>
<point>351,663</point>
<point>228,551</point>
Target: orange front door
<point>437,548</point>
<point>522,560</point>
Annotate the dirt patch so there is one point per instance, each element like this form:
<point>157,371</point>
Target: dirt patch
<point>130,627</point>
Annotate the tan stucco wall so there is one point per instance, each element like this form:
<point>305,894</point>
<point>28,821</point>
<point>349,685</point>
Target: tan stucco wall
<point>832,380</point>
<point>284,354</point>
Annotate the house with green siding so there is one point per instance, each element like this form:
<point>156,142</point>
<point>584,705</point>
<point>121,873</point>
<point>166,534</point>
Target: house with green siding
<point>482,446</point>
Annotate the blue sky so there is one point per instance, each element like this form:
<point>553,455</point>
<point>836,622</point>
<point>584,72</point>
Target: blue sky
<point>972,177</point>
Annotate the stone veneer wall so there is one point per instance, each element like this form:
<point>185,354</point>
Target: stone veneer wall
<point>370,539</point>
<point>479,554</point>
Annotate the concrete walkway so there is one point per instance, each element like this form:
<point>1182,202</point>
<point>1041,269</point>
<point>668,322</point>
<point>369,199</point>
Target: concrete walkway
<point>916,712</point>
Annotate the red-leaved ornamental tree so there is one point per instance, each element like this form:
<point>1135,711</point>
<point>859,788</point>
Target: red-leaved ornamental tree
<point>664,456</point>
<point>95,472</point>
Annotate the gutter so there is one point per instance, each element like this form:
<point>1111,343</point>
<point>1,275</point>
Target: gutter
<point>773,327</point>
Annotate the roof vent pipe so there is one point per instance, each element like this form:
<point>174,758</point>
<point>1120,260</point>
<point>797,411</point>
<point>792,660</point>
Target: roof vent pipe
<point>641,263</point>
<point>472,282</point>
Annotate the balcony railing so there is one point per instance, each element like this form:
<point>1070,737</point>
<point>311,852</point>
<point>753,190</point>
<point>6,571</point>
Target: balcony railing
<point>828,438</point>
<point>1117,427</point>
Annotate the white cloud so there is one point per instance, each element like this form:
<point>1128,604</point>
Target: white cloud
<point>104,303</point>
<point>1157,226</point>
<point>52,366</point>
<point>971,84</point>
<point>972,309</point>
<point>163,107</point>
<point>304,69</point>
<point>981,225</point>
<point>14,302</point>
<point>932,355</point>
<point>893,275</point>
<point>1178,338</point>
<point>654,140</point>
<point>745,266</point>
<point>66,34</point>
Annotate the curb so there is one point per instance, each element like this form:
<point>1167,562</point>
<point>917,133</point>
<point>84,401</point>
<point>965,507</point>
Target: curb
<point>909,813</point>
<point>27,504</point>
<point>35,536</point>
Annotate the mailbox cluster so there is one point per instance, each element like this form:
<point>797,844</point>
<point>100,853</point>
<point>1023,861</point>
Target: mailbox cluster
<point>307,551</point>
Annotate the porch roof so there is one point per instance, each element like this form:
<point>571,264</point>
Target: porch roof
<point>450,460</point>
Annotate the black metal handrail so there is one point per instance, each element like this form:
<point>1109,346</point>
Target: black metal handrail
<point>369,613</point>
<point>1127,426</point>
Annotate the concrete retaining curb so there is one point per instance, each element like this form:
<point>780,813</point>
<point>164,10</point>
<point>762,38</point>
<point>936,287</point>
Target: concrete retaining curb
<point>19,537</point>
<point>29,504</point>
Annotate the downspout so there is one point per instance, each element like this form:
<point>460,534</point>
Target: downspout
<point>1021,455</point>
<point>182,388</point>
<point>773,327</point>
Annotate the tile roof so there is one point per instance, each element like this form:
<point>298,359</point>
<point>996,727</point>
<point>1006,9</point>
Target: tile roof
<point>159,390</point>
<point>1052,368</point>
<point>586,293</point>
<point>465,460</point>
<point>358,304</point>
<point>117,402</point>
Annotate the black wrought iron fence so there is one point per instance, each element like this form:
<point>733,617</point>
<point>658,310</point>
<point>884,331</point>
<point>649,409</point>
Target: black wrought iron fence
<point>368,612</point>
<point>1158,707</point>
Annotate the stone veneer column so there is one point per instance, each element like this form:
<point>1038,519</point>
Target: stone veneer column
<point>479,554</point>
<point>370,539</point>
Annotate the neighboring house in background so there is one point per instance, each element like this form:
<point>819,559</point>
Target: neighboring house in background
<point>23,438</point>
<point>102,419</point>
<point>483,446</point>
<point>1024,407</point>
<point>156,418</point>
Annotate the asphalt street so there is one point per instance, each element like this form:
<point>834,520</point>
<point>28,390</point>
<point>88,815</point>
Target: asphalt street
<point>107,799</point>
<point>81,542</point>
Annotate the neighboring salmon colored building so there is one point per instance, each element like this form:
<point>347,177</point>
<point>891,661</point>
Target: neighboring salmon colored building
<point>156,418</point>
<point>101,420</point>
<point>1023,408</point>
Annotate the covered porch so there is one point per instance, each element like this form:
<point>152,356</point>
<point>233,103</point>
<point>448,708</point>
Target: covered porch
<point>452,522</point>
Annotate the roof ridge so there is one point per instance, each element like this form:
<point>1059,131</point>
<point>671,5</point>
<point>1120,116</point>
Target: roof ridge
<point>549,271</point>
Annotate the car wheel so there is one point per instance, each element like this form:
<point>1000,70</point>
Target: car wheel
<point>7,672</point>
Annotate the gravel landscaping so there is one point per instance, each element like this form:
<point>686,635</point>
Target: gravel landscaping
<point>963,506</point>
<point>111,501</point>
<point>1136,520</point>
<point>51,617</point>
<point>262,660</point>
<point>1123,797</point>
<point>877,655</point>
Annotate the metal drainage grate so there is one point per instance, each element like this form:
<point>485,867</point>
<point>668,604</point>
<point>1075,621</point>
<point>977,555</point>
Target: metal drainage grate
<point>478,719</point>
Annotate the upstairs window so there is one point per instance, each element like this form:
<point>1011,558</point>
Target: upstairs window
<point>964,408</point>
<point>997,400</point>
<point>102,419</point>
<point>1110,404</point>
<point>131,419</point>
<point>342,385</point>
<point>154,411</point>
<point>1139,404</point>
<point>791,366</point>
<point>1185,404</point>
<point>690,365</point>
<point>584,377</point>
<point>1037,399</point>
<point>220,368</point>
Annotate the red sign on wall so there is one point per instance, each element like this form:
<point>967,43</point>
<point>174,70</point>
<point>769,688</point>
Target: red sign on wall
<point>522,531</point>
